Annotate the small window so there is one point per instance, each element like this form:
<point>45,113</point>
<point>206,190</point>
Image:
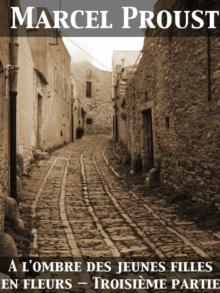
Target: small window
<point>1,67</point>
<point>167,122</point>
<point>89,121</point>
<point>88,89</point>
<point>146,95</point>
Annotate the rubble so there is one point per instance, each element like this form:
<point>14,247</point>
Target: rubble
<point>41,155</point>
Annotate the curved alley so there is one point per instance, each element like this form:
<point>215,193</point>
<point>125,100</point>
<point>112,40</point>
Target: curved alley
<point>85,208</point>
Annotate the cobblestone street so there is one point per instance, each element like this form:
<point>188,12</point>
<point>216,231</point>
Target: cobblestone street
<point>82,207</point>
<point>109,149</point>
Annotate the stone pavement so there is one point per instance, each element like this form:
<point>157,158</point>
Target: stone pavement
<point>81,207</point>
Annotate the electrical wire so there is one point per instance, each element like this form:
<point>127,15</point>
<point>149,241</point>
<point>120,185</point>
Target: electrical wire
<point>77,68</point>
<point>136,62</point>
<point>85,52</point>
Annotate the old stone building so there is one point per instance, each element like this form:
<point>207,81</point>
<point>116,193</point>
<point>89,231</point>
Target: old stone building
<point>78,112</point>
<point>78,119</point>
<point>124,64</point>
<point>25,102</point>
<point>44,100</point>
<point>8,95</point>
<point>172,113</point>
<point>94,88</point>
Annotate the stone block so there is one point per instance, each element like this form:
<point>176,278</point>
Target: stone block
<point>217,198</point>
<point>8,250</point>
<point>19,189</point>
<point>5,277</point>
<point>153,178</point>
<point>12,213</point>
<point>42,155</point>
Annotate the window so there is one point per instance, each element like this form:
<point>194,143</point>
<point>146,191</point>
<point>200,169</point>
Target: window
<point>88,89</point>
<point>167,122</point>
<point>89,121</point>
<point>146,95</point>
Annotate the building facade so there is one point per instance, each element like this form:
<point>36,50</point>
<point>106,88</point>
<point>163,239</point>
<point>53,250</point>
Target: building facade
<point>25,102</point>
<point>44,102</point>
<point>78,112</point>
<point>124,64</point>
<point>94,88</point>
<point>4,112</point>
<point>172,113</point>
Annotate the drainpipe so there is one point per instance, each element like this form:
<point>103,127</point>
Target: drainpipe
<point>13,77</point>
<point>7,100</point>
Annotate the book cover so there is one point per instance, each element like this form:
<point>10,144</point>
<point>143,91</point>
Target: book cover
<point>109,146</point>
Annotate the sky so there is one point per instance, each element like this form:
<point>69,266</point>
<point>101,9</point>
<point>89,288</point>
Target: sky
<point>101,49</point>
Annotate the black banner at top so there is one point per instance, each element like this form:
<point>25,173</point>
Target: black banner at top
<point>102,18</point>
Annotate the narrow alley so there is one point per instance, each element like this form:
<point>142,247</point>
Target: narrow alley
<point>82,207</point>
<point>109,149</point>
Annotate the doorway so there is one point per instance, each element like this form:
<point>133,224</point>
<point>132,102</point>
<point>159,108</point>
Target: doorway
<point>72,128</point>
<point>115,128</point>
<point>39,120</point>
<point>148,143</point>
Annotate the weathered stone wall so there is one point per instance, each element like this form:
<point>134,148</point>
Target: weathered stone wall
<point>58,100</point>
<point>4,59</point>
<point>45,70</point>
<point>53,82</point>
<point>172,80</point>
<point>123,63</point>
<point>120,103</point>
<point>26,102</point>
<point>79,106</point>
<point>99,105</point>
